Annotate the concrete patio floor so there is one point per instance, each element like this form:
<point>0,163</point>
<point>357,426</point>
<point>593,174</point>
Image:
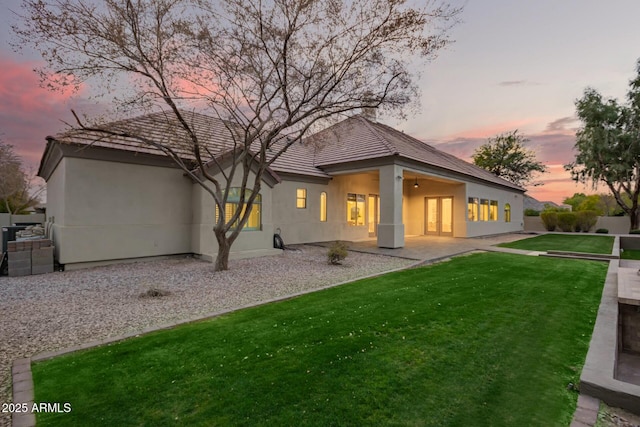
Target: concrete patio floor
<point>433,248</point>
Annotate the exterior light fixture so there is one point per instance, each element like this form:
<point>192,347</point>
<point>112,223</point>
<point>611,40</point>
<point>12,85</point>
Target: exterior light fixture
<point>416,184</point>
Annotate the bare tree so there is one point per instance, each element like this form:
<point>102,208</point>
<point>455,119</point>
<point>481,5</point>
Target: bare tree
<point>10,171</point>
<point>273,69</point>
<point>17,188</point>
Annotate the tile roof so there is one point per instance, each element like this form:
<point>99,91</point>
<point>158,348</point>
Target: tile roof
<point>353,139</point>
<point>215,134</point>
<point>298,159</point>
<point>358,138</point>
<point>161,127</point>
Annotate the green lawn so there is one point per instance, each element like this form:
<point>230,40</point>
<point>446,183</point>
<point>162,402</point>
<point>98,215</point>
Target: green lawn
<point>630,254</point>
<point>565,242</point>
<point>486,339</point>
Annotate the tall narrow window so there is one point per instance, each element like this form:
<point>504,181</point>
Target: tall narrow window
<point>233,200</point>
<point>323,206</point>
<point>355,209</point>
<point>484,210</point>
<point>507,212</point>
<point>301,198</point>
<point>472,207</point>
<point>493,211</point>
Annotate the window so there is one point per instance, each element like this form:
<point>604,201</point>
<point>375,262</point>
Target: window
<point>323,207</point>
<point>301,198</point>
<point>507,212</point>
<point>255,217</point>
<point>484,210</point>
<point>355,209</point>
<point>493,211</point>
<point>472,207</point>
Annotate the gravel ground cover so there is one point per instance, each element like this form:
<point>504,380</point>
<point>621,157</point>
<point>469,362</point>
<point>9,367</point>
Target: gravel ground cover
<point>56,311</point>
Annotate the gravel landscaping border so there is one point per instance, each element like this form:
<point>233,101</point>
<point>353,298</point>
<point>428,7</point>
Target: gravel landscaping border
<point>53,312</point>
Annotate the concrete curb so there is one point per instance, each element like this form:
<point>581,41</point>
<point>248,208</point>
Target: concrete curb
<point>586,414</point>
<point>22,383</point>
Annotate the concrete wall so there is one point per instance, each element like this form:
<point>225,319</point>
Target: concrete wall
<point>630,242</point>
<point>615,224</point>
<point>8,219</point>
<point>629,328</point>
<point>481,228</point>
<point>108,210</point>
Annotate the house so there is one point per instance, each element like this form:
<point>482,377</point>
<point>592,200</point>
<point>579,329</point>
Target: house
<point>112,198</point>
<point>536,205</point>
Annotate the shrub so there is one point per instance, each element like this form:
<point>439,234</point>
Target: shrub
<point>337,252</point>
<point>586,220</point>
<point>154,293</point>
<point>634,232</point>
<point>531,212</point>
<point>567,221</point>
<point>550,220</point>
<point>602,231</point>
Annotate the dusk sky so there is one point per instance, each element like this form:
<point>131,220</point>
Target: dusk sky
<point>514,65</point>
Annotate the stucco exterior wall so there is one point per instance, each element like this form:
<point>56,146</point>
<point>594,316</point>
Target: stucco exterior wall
<point>481,228</point>
<point>108,210</point>
<point>56,193</point>
<point>248,243</point>
<point>414,214</point>
<point>304,225</point>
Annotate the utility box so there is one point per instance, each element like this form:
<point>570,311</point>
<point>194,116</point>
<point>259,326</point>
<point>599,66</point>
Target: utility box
<point>9,234</point>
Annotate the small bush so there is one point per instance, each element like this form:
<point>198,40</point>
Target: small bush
<point>602,231</point>
<point>567,221</point>
<point>337,252</point>
<point>550,220</point>
<point>586,220</point>
<point>154,293</point>
<point>634,232</point>
<point>531,212</point>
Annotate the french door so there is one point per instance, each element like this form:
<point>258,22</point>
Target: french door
<point>438,216</point>
<point>373,213</point>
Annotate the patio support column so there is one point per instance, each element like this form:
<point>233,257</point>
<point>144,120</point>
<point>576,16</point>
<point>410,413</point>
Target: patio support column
<point>391,228</point>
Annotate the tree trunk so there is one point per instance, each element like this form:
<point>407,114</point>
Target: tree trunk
<point>633,218</point>
<point>224,249</point>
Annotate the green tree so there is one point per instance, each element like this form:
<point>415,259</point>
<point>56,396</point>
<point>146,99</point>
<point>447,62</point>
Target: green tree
<point>505,156</point>
<point>609,204</point>
<point>273,70</point>
<point>592,202</point>
<point>608,146</point>
<point>575,200</point>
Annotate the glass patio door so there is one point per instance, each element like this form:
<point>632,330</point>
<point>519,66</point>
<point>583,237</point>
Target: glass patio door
<point>439,216</point>
<point>373,214</point>
<point>432,216</point>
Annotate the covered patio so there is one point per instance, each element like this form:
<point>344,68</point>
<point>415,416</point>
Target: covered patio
<point>434,248</point>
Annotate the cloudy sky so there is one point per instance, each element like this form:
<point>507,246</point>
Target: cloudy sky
<point>514,65</point>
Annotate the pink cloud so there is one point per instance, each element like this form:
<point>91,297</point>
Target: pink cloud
<point>562,126</point>
<point>494,129</point>
<point>554,149</point>
<point>28,113</point>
